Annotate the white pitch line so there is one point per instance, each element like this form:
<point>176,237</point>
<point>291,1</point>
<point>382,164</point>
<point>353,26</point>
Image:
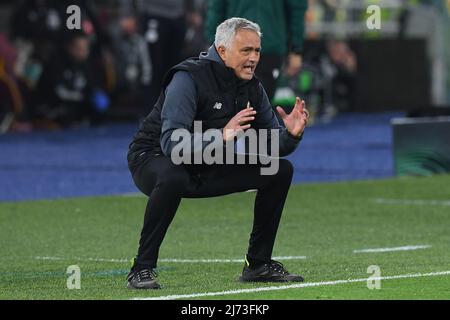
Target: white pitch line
<point>83,259</point>
<point>292,286</point>
<point>168,260</point>
<point>414,202</point>
<point>405,248</point>
<point>226,260</point>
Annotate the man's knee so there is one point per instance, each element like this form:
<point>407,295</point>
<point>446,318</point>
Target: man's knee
<point>173,178</point>
<point>285,170</point>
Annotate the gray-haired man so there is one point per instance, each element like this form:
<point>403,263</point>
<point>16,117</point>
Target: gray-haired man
<point>220,90</point>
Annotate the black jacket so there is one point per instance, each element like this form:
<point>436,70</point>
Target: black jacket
<point>211,83</point>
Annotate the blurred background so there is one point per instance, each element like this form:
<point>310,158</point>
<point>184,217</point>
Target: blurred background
<point>63,88</point>
<point>111,69</point>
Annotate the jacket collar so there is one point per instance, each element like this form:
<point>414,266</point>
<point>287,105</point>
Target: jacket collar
<point>226,74</point>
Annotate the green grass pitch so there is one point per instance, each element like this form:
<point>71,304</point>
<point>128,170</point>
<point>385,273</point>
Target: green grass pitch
<point>324,222</point>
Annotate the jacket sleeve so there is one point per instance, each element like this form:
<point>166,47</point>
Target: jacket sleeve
<point>216,13</point>
<point>296,23</point>
<point>267,119</point>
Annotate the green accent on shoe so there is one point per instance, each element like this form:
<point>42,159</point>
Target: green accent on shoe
<point>246,261</point>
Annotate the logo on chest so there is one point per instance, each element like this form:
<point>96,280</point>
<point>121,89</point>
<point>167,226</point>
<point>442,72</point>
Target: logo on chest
<point>217,106</point>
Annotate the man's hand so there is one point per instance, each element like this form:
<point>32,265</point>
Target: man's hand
<point>238,123</point>
<point>297,120</point>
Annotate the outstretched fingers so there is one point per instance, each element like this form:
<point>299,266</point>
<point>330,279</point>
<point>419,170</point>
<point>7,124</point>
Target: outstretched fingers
<point>281,112</point>
<point>299,104</point>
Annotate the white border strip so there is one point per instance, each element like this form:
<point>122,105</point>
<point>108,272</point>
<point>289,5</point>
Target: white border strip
<point>405,248</point>
<point>437,119</point>
<point>226,260</point>
<point>167,260</point>
<point>414,202</point>
<point>83,259</point>
<point>293,286</point>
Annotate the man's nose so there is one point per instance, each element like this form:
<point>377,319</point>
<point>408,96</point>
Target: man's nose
<point>254,56</point>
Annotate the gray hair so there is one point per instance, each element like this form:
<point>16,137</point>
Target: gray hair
<point>226,31</point>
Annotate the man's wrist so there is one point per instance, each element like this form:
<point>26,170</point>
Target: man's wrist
<point>298,137</point>
<point>297,50</point>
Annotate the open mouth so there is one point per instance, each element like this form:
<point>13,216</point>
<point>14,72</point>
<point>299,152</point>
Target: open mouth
<point>249,68</point>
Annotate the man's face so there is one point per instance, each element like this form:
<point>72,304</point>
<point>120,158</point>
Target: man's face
<point>79,49</point>
<point>243,53</point>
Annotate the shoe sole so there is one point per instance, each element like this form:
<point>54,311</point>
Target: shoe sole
<point>153,286</point>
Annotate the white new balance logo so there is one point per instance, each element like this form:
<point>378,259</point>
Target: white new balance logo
<point>217,106</point>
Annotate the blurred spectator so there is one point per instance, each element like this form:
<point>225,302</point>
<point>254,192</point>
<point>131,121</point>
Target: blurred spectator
<point>38,28</point>
<point>282,25</point>
<point>164,28</point>
<point>66,94</point>
<point>339,69</point>
<point>327,81</point>
<point>8,54</point>
<point>195,41</point>
<point>40,23</point>
<point>100,43</point>
<point>13,91</point>
<point>133,63</point>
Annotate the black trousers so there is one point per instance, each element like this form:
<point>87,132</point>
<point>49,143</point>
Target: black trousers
<point>164,37</point>
<point>269,67</point>
<point>166,184</point>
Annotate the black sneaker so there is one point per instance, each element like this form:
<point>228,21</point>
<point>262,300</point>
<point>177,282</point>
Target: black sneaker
<point>272,271</point>
<point>143,279</point>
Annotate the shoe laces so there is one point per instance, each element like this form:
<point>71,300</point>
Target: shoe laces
<point>277,267</point>
<point>146,274</point>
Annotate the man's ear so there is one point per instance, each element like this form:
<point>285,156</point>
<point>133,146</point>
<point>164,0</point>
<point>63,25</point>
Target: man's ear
<point>221,51</point>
